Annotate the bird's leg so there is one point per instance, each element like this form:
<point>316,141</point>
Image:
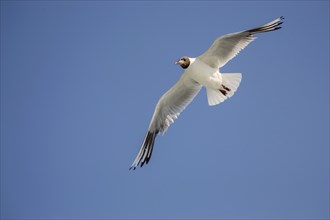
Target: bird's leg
<point>226,88</point>
<point>224,92</point>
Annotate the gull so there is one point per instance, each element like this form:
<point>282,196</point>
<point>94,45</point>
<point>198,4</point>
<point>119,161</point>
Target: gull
<point>198,72</point>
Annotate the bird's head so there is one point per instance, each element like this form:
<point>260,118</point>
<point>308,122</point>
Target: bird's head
<point>184,62</point>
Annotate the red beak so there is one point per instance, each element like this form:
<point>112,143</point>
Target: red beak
<point>179,62</point>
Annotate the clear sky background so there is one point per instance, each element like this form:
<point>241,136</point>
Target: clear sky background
<point>79,83</point>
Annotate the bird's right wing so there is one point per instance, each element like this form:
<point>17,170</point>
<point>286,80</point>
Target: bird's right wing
<point>228,46</point>
<point>168,108</point>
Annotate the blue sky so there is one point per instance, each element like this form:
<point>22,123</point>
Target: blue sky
<point>79,83</point>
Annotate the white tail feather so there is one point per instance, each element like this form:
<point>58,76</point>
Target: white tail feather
<point>231,81</point>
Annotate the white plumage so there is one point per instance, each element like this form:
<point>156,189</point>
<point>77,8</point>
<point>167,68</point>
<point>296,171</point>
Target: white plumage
<point>199,72</point>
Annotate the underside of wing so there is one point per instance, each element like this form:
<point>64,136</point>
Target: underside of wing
<point>168,108</point>
<point>228,46</point>
<point>172,103</point>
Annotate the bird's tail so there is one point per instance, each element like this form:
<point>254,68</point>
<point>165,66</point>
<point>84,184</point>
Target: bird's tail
<point>230,83</point>
<point>145,152</point>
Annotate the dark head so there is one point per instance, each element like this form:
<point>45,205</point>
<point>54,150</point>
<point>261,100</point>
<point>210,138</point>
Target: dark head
<point>184,62</point>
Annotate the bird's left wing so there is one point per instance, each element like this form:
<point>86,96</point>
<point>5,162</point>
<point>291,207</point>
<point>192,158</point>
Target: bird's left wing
<point>168,108</point>
<point>228,46</point>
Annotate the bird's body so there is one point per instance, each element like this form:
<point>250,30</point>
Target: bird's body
<point>204,74</point>
<point>200,71</point>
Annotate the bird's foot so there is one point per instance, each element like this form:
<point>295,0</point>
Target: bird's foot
<point>224,92</point>
<point>226,88</point>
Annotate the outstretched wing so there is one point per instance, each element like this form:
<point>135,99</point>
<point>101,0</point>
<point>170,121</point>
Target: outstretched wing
<point>228,46</point>
<point>168,108</point>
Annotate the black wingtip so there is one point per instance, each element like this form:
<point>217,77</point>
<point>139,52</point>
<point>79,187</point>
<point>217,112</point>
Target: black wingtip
<point>133,167</point>
<point>145,151</point>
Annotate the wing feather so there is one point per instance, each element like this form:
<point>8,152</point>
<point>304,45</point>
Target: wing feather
<point>171,104</point>
<point>228,46</point>
<point>168,108</point>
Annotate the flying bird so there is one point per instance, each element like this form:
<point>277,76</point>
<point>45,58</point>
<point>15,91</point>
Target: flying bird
<point>198,72</point>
